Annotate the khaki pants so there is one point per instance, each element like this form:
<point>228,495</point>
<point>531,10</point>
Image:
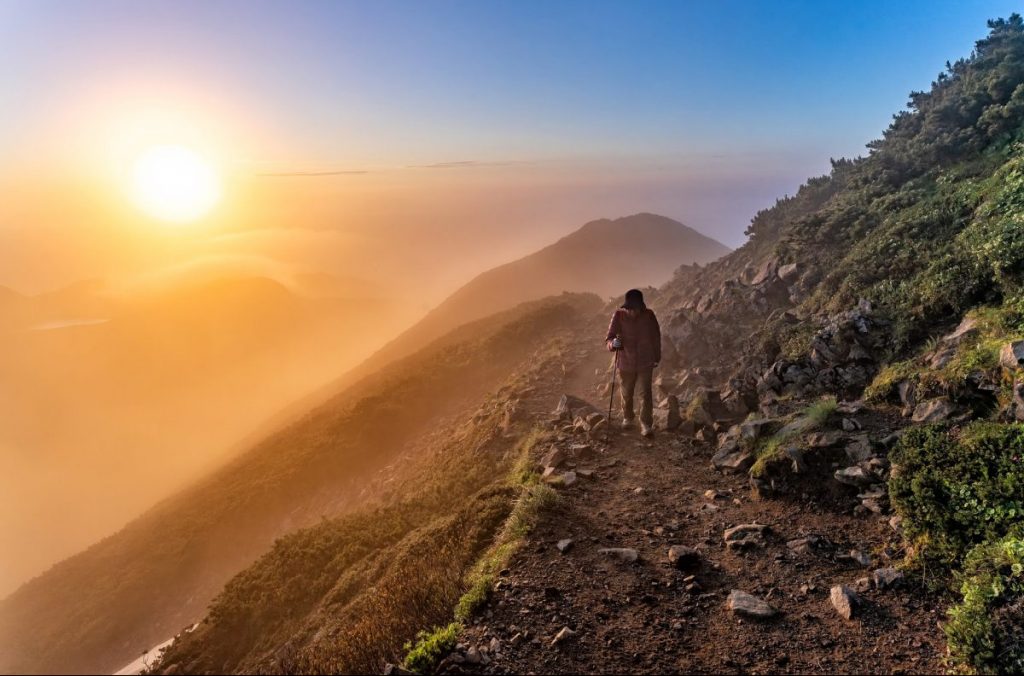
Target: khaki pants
<point>629,381</point>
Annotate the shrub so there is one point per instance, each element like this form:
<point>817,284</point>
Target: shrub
<point>430,647</point>
<point>955,491</point>
<point>985,632</point>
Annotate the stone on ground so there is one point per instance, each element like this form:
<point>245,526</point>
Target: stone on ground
<point>747,605</point>
<point>622,553</point>
<point>884,578</point>
<point>933,410</point>
<point>682,556</point>
<point>745,535</point>
<point>564,634</point>
<point>1011,357</point>
<point>855,476</point>
<point>553,458</point>
<point>843,600</point>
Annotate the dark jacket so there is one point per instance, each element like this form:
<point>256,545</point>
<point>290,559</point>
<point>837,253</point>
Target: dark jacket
<point>641,339</point>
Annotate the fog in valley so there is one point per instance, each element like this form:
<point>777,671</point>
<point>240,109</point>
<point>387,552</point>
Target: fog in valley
<point>138,356</point>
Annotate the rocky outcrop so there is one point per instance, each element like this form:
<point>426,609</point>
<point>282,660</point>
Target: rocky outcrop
<point>841,357</point>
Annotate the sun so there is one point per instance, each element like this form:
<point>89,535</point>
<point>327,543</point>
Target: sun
<point>174,184</point>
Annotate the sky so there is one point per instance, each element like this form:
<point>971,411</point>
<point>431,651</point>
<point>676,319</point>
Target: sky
<point>413,124</point>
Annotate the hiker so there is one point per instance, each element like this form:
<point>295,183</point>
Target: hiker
<point>635,337</point>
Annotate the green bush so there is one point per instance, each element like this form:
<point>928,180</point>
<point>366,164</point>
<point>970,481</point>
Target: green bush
<point>955,489</point>
<point>430,647</point>
<point>985,632</point>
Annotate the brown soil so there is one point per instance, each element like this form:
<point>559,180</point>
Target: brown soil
<point>641,617</point>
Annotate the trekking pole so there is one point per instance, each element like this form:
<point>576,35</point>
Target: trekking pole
<point>611,396</point>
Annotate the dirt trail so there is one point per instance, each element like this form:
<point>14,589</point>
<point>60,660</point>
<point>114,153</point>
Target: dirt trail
<point>648,616</point>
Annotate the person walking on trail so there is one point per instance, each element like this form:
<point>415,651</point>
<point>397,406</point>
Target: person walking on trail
<point>635,338</point>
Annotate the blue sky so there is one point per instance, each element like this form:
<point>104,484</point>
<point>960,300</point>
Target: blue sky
<point>435,81</point>
<point>753,94</point>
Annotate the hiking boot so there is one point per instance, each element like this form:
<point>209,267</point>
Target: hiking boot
<point>628,423</point>
<point>646,430</point>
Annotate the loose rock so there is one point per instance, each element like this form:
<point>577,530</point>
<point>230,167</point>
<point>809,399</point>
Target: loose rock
<point>854,476</point>
<point>884,578</point>
<point>563,635</point>
<point>933,410</point>
<point>1011,357</point>
<point>681,556</point>
<point>622,553</point>
<point>844,600</point>
<point>745,535</point>
<point>747,605</point>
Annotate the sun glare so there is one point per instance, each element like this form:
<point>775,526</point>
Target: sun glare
<point>174,184</point>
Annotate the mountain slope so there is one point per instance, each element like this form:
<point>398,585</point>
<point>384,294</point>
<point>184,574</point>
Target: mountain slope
<point>605,257</point>
<point>152,390</point>
<point>142,584</point>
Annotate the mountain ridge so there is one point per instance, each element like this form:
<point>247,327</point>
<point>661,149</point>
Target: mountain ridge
<point>604,256</point>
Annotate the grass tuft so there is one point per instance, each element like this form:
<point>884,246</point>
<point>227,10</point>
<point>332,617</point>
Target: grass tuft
<point>535,498</point>
<point>430,647</point>
<point>813,417</point>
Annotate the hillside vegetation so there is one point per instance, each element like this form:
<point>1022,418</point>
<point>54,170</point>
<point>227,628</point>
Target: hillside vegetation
<point>160,571</point>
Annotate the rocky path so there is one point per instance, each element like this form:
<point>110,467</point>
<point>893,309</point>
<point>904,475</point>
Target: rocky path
<point>578,607</point>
